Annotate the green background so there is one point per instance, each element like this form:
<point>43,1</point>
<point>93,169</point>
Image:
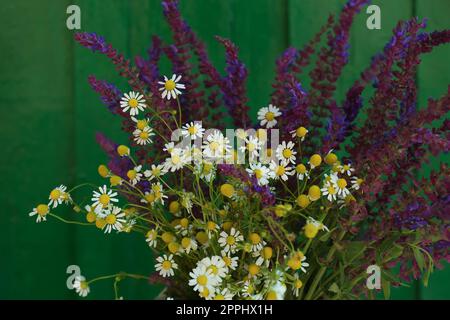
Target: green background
<point>48,116</point>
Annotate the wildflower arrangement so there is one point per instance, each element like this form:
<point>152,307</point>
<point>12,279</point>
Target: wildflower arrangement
<point>295,206</point>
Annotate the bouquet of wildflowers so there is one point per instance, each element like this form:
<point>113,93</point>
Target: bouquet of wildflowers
<point>295,205</point>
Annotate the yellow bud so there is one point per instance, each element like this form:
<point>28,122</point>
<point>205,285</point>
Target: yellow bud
<point>314,193</point>
<point>301,132</point>
<point>115,180</point>
<point>271,295</point>
<point>330,158</point>
<point>311,230</point>
<point>303,201</point>
<point>103,170</point>
<point>202,237</point>
<point>253,269</point>
<point>315,160</point>
<point>123,150</point>
<point>90,217</point>
<point>227,225</point>
<point>174,207</point>
<point>227,190</point>
<point>167,237</point>
<point>184,223</point>
<point>173,247</point>
<point>100,223</point>
<point>267,253</point>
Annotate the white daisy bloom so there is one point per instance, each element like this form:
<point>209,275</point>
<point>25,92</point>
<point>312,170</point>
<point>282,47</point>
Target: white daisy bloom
<point>178,158</point>
<point>280,170</point>
<point>356,183</point>
<point>155,172</point>
<point>114,218</point>
<point>261,172</point>
<point>143,137</point>
<point>166,265</point>
<point>193,130</point>
<point>141,123</point>
<point>168,147</point>
<point>156,194</point>
<point>224,294</point>
<point>341,185</point>
<point>268,115</point>
<point>299,133</point>
<point>211,228</point>
<point>216,145</point>
<point>257,243</point>
<point>57,196</point>
<point>41,212</point>
<point>229,241</point>
<point>216,265</point>
<point>230,262</point>
<point>285,152</point>
<point>189,244</point>
<point>170,87</point>
<point>330,190</point>
<point>103,199</point>
<point>135,175</point>
<point>152,238</point>
<point>296,285</point>
<point>81,286</point>
<point>202,278</point>
<point>132,101</point>
<point>347,168</point>
<point>252,145</point>
<point>302,171</point>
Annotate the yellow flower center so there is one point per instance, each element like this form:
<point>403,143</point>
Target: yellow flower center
<point>131,174</point>
<point>330,158</point>
<point>231,240</point>
<point>83,285</point>
<point>173,247</point>
<point>214,145</point>
<point>298,284</point>
<point>174,207</point>
<point>133,103</point>
<point>331,190</point>
<point>346,167</point>
<point>202,280</point>
<point>280,171</point>
<point>151,234</point>
<point>110,219</point>
<point>227,261</point>
<point>192,130</point>
<point>104,199</point>
<point>214,270</point>
<point>103,170</point>
<point>269,116</point>
<point>251,146</point>
<point>170,85</point>
<point>204,293</point>
<point>55,194</point>
<point>219,297</point>
<point>100,223</point>
<point>42,209</point>
<point>253,269</point>
<point>258,173</point>
<point>123,150</point>
<point>184,222</point>
<point>175,159</point>
<point>141,124</point>
<point>211,225</point>
<point>150,197</point>
<point>185,243</point>
<point>271,295</point>
<point>202,237</point>
<point>287,153</point>
<point>301,132</point>
<point>267,253</point>
<point>166,265</point>
<point>342,183</point>
<point>143,135</point>
<point>90,217</point>
<point>359,181</point>
<point>167,237</point>
<point>300,168</point>
<point>255,238</point>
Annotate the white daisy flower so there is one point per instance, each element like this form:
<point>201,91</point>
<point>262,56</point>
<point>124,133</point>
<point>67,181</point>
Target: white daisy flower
<point>166,265</point>
<point>297,284</point>
<point>347,168</point>
<point>299,133</point>
<point>132,101</point>
<point>155,172</point>
<point>141,124</point>
<point>156,194</point>
<point>268,115</point>
<point>193,130</point>
<point>135,175</point>
<point>297,261</point>
<point>216,265</point>
<point>264,256</point>
<point>229,241</point>
<point>224,294</point>
<point>57,196</point>
<point>103,199</point>
<point>261,172</point>
<point>81,286</point>
<point>230,262</point>
<point>114,219</point>
<point>152,238</point>
<point>178,158</point>
<point>285,152</point>
<point>356,183</point>
<point>212,228</point>
<point>341,185</point>
<point>170,87</point>
<point>330,190</point>
<point>257,243</point>
<point>202,278</point>
<point>41,211</point>
<point>143,137</point>
<point>301,171</point>
<point>252,145</point>
<point>216,146</point>
<point>280,170</point>
<point>168,147</point>
<point>189,244</point>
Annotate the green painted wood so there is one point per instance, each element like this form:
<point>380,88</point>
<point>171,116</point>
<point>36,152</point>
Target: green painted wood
<point>36,134</point>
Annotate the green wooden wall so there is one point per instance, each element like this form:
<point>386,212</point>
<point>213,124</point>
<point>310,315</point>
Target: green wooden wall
<point>48,116</point>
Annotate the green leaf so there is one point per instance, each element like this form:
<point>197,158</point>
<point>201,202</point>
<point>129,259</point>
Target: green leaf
<point>386,285</point>
<point>420,259</point>
<point>353,250</point>
<point>394,252</point>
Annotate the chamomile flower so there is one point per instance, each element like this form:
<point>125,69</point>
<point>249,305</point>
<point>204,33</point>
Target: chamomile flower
<point>312,227</point>
<point>132,101</point>
<point>155,172</point>
<point>216,145</point>
<point>216,265</point>
<point>135,175</point>
<point>143,137</point>
<point>230,262</point>
<point>81,286</point>
<point>347,168</point>
<point>202,278</point>
<point>152,238</point>
<point>297,284</point>
<point>285,152</point>
<point>156,194</point>
<point>206,170</point>
<point>57,196</point>
<point>330,190</point>
<point>248,289</point>
<point>341,185</point>
<point>280,170</point>
<point>257,243</point>
<point>168,147</point>
<point>170,87</point>
<point>176,161</point>
<point>229,241</point>
<point>224,294</point>
<point>268,115</point>
<point>103,199</point>
<point>141,124</point>
<point>356,183</point>
<point>114,219</point>
<point>252,145</point>
<point>188,244</point>
<point>264,256</point>
<point>301,171</point>
<point>193,130</point>
<point>261,172</point>
<point>297,261</point>
<point>166,265</point>
<point>41,212</point>
<point>211,228</point>
<point>299,133</point>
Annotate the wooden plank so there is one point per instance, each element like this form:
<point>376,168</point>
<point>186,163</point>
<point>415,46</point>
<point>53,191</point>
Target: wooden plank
<point>35,133</point>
